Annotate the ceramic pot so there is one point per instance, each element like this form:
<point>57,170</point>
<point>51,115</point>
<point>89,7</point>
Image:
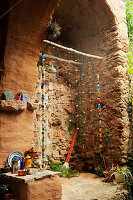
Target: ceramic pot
<point>108,175</point>
<point>28,161</point>
<point>5,170</point>
<point>78,167</point>
<point>7,196</point>
<point>120,178</point>
<point>21,173</point>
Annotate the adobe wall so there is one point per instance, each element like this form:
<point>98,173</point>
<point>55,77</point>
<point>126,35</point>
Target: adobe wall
<point>26,29</point>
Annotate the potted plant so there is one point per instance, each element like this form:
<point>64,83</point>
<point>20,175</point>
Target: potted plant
<point>19,95</point>
<point>4,192</point>
<point>122,174</point>
<point>111,165</point>
<point>99,170</point>
<point>6,168</point>
<point>78,164</point>
<point>53,31</point>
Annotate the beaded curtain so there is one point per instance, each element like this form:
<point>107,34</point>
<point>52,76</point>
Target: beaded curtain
<point>81,77</point>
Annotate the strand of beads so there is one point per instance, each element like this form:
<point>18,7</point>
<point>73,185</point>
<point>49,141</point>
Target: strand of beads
<point>43,114</point>
<point>99,108</point>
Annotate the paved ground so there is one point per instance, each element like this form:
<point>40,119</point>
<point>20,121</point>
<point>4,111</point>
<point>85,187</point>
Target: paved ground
<point>90,187</point>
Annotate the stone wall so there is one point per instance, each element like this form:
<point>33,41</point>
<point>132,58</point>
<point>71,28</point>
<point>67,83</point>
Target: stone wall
<point>99,27</point>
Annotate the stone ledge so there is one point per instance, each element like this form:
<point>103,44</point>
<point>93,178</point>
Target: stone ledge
<point>17,105</point>
<point>32,106</point>
<point>29,178</point>
<point>13,105</point>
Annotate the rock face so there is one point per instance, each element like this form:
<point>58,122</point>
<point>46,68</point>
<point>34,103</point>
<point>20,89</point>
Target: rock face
<point>95,27</point>
<point>27,24</point>
<point>13,105</point>
<point>99,27</point>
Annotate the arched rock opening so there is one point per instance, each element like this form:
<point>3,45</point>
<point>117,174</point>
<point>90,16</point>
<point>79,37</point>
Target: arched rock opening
<point>99,27</point>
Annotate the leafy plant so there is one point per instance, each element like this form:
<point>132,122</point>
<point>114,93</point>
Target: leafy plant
<point>125,171</point>
<point>65,172</point>
<point>19,93</point>
<point>129,17</point>
<point>99,170</point>
<point>6,164</point>
<point>15,159</point>
<point>107,141</point>
<point>53,31</point>
<point>3,189</point>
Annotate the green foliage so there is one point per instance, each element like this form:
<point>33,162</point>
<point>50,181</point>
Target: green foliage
<point>129,17</point>
<point>130,58</point>
<point>65,172</point>
<point>125,171</point>
<point>19,93</point>
<point>99,170</point>
<point>6,164</point>
<point>15,159</point>
<point>3,189</point>
<point>53,31</point>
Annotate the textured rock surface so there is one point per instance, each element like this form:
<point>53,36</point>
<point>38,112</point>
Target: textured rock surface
<point>57,131</point>
<point>32,106</point>
<point>102,30</point>
<point>26,30</point>
<point>13,105</point>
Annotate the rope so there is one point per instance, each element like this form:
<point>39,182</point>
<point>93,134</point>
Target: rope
<point>10,9</point>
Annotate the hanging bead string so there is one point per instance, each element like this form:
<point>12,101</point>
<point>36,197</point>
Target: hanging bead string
<point>82,75</point>
<point>69,78</point>
<point>76,98</point>
<point>43,58</point>
<point>96,110</point>
<point>99,108</point>
<point>93,91</point>
<point>80,102</point>
<point>91,96</point>
<point>54,52</point>
<point>85,107</point>
<point>56,91</point>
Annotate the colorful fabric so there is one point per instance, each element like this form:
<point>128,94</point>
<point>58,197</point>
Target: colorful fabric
<point>25,97</point>
<point>9,95</point>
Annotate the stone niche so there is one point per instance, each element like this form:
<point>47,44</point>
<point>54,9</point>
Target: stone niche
<point>99,28</point>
